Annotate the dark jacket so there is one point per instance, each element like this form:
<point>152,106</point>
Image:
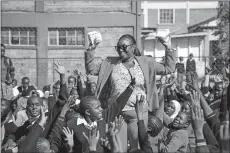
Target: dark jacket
<point>25,92</point>
<point>80,143</point>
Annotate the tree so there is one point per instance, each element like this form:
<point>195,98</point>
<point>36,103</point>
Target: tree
<point>223,27</point>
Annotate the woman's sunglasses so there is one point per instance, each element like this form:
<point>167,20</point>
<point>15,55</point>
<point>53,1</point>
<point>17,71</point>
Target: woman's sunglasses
<point>123,47</point>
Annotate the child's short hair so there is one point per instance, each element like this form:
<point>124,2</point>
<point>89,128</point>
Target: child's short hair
<point>75,79</point>
<point>43,145</point>
<point>189,116</point>
<point>86,103</point>
<point>25,78</point>
<point>155,124</point>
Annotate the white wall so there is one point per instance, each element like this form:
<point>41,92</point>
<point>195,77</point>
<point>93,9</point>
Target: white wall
<point>184,46</point>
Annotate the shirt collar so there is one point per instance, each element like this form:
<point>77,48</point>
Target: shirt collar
<point>81,120</point>
<point>134,60</point>
<point>23,89</point>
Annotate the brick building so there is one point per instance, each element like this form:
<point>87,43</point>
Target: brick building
<point>37,33</point>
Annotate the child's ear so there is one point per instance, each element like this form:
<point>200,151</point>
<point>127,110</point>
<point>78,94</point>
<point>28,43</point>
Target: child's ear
<point>87,112</point>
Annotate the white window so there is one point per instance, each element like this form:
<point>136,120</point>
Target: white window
<point>166,16</point>
<point>66,37</point>
<point>19,36</point>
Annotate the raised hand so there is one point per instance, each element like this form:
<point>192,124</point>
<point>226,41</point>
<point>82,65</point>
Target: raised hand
<point>111,130</point>
<point>118,123</point>
<point>93,45</point>
<point>197,119</point>
<point>69,136</point>
<point>81,77</point>
<point>139,106</point>
<point>52,86</point>
<point>105,144</point>
<point>166,44</point>
<point>60,68</point>
<point>194,84</point>
<point>43,118</point>
<point>195,98</point>
<point>67,106</point>
<point>224,137</point>
<point>92,138</point>
<point>75,72</point>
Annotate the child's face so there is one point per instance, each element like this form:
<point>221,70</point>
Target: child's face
<point>71,82</point>
<point>25,83</point>
<point>187,88</point>
<point>93,88</point>
<point>95,112</point>
<point>180,121</point>
<point>5,107</point>
<point>170,109</point>
<point>185,108</point>
<point>211,97</point>
<point>74,93</point>
<point>218,90</point>
<point>14,106</point>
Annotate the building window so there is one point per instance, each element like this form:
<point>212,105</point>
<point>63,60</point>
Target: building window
<point>66,37</point>
<point>166,16</point>
<point>15,36</point>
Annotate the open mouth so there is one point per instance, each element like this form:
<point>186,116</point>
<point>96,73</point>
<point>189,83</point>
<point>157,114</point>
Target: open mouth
<point>175,123</point>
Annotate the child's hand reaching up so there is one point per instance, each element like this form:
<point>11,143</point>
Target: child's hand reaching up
<point>60,68</point>
<point>92,138</point>
<point>69,137</point>
<point>139,106</point>
<point>198,122</point>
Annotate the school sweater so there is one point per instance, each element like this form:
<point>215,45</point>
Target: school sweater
<point>80,143</point>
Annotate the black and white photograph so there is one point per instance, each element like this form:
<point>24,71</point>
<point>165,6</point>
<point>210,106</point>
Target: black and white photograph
<point>115,76</point>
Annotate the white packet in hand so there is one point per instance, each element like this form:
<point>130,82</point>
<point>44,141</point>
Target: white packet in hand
<point>94,37</point>
<point>164,34</point>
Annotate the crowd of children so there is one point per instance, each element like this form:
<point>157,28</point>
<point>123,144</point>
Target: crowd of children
<point>132,112</point>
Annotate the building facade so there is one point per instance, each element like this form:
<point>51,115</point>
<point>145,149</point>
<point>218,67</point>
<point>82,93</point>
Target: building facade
<point>177,15</point>
<point>180,18</point>
<point>37,33</point>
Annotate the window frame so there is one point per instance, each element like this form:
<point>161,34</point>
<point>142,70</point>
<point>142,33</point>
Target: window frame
<point>159,15</point>
<point>67,36</point>
<point>10,29</point>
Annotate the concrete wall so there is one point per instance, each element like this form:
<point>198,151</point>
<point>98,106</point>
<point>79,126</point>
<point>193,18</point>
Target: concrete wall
<point>24,61</point>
